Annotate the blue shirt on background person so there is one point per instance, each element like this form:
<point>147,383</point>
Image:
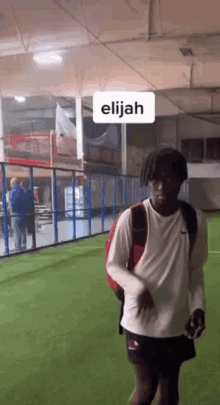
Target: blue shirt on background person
<point>17,201</point>
<point>29,200</point>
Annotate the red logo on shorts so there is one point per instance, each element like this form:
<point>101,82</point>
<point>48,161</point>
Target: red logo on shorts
<point>133,345</point>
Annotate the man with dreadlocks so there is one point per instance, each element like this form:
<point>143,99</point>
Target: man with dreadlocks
<point>157,320</point>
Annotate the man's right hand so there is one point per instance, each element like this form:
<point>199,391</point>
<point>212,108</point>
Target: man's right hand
<point>145,302</point>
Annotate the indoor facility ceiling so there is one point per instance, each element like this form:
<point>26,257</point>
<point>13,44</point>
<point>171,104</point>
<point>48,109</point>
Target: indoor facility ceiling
<point>112,45</point>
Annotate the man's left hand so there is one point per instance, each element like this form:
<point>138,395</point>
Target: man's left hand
<point>195,325</point>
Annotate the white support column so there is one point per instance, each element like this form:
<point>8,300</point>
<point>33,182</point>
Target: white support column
<point>124,148</point>
<point>51,174</point>
<point>79,130</point>
<point>80,203</point>
<point>2,152</point>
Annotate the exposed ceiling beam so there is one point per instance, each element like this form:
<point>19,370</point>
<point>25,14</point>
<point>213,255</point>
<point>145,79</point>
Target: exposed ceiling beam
<point>153,36</point>
<point>47,108</point>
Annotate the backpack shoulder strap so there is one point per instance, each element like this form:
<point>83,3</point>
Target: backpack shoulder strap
<point>139,238</point>
<point>139,225</point>
<point>139,234</point>
<point>190,218</point>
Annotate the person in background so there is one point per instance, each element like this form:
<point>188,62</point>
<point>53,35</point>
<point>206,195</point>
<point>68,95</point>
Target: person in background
<point>29,209</point>
<point>8,212</point>
<point>17,210</point>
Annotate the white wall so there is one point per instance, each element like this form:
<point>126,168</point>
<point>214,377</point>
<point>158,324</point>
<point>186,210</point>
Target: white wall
<point>204,190</point>
<point>203,170</point>
<point>190,127</point>
<point>205,193</point>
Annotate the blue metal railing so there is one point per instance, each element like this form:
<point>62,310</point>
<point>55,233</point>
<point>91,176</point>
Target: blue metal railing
<point>107,212</point>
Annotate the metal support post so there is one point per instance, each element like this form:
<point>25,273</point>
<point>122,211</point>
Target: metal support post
<point>74,204</point>
<point>55,207</point>
<point>132,191</point>
<point>124,198</point>
<point>5,213</point>
<point>33,210</point>
<point>115,210</point>
<point>124,191</point>
<point>89,204</point>
<point>103,204</point>
<point>2,150</point>
<point>124,148</point>
<point>79,131</point>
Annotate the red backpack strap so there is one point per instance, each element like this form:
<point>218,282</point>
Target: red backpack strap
<point>190,218</point>
<point>112,283</point>
<point>139,234</point>
<point>110,237</point>
<point>139,238</point>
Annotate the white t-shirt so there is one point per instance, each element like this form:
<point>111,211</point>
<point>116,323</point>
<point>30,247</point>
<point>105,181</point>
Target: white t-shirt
<point>164,269</point>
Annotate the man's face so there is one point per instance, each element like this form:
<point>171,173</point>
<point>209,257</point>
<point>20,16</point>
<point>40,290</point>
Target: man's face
<point>165,187</point>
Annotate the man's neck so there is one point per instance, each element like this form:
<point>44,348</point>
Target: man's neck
<point>165,211</point>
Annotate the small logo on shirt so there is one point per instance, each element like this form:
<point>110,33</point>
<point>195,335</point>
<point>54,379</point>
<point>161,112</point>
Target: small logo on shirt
<point>133,345</point>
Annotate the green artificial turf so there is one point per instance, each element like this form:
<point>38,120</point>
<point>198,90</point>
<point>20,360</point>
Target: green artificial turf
<point>59,337</point>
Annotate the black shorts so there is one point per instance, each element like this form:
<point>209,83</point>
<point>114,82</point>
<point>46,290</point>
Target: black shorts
<point>159,353</point>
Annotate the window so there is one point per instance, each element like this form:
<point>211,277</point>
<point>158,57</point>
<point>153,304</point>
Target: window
<point>94,153</point>
<point>193,149</point>
<point>213,149</point>
<point>117,157</point>
<point>106,155</point>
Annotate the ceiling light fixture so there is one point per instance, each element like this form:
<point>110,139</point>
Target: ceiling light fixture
<point>20,99</point>
<point>48,58</point>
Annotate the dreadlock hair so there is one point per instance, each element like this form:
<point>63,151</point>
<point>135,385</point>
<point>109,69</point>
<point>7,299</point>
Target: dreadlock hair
<point>169,156</point>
